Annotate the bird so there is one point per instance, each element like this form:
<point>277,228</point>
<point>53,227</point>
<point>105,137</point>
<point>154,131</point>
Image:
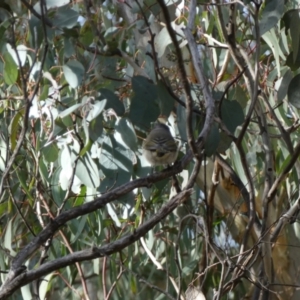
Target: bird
<point>159,147</point>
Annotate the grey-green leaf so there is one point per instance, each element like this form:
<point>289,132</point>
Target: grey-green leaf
<point>87,171</point>
<point>212,140</point>
<point>232,114</point>
<point>112,101</point>
<point>69,110</point>
<point>271,14</point>
<point>125,128</point>
<point>144,107</point>
<point>166,101</point>
<point>74,72</point>
<point>294,91</point>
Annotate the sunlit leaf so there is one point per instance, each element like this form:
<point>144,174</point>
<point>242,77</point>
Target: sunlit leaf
<point>10,69</point>
<point>22,52</point>
<point>127,133</point>
<point>87,171</point>
<point>97,108</point>
<point>69,110</point>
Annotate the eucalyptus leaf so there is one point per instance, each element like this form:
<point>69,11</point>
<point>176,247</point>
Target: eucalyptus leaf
<point>272,40</point>
<point>22,52</point>
<point>97,109</point>
<point>283,88</point>
<point>166,101</point>
<point>69,110</point>
<point>162,40</point>
<point>112,101</point>
<point>293,92</point>
<point>10,69</point>
<point>65,17</point>
<point>111,211</point>
<point>232,114</point>
<point>212,141</point>
<point>127,133</point>
<point>87,171</point>
<point>144,107</point>
<point>74,73</point>
<point>272,12</point>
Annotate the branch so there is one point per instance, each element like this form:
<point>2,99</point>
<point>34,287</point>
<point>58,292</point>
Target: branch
<point>284,173</point>
<point>199,71</point>
<point>24,278</point>
<point>184,78</point>
<point>36,14</point>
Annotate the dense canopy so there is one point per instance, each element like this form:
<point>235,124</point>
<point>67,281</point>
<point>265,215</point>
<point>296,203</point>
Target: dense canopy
<point>84,215</point>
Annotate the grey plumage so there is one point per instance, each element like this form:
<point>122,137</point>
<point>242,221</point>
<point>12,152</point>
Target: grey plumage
<point>160,148</point>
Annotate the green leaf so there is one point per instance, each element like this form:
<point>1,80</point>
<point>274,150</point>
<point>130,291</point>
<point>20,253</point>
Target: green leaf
<point>87,171</point>
<point>273,10</point>
<point>112,101</point>
<point>241,96</point>
<point>188,269</point>
<point>8,244</point>
<point>4,208</point>
<point>294,91</point>
<point>166,101</point>
<point>111,32</point>
<point>162,40</point>
<point>50,152</point>
<point>212,141</point>
<point>58,193</point>
<point>181,122</point>
<point>77,227</point>
<point>144,108</point>
<point>96,128</point>
<point>116,163</point>
<point>22,52</point>
<point>14,129</point>
<point>272,40</point>
<point>283,88</point>
<point>96,110</point>
<point>295,34</point>
<point>111,211</point>
<point>44,287</point>
<point>65,17</point>
<point>69,110</point>
<point>293,64</point>
<point>84,124</point>
<point>232,114</point>
<point>128,137</point>
<point>153,6</point>
<point>74,73</point>
<point>10,69</point>
<point>69,48</point>
<point>23,177</point>
<point>51,4</point>
<point>45,92</point>
<point>87,147</point>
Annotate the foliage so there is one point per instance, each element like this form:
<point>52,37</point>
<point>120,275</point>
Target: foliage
<point>84,215</point>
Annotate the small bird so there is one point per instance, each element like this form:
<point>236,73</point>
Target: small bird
<point>160,148</point>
